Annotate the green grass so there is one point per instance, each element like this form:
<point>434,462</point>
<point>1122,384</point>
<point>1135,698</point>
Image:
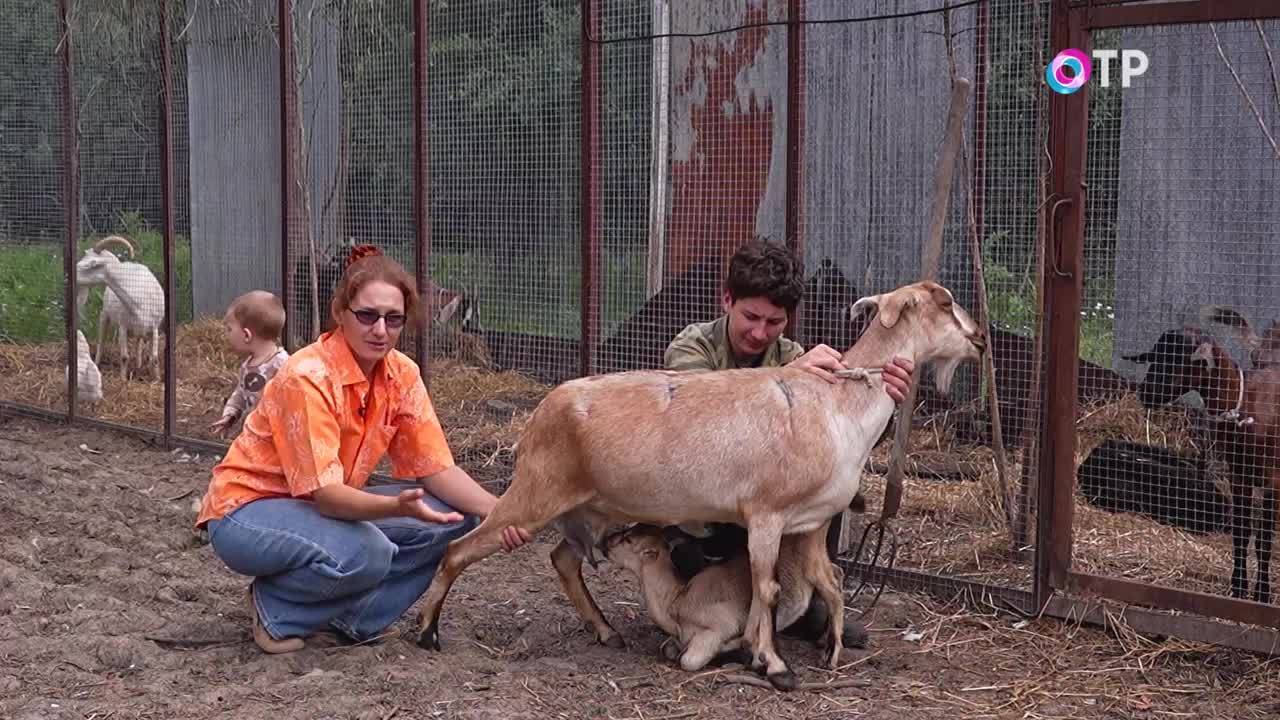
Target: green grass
<point>539,293</point>
<point>1013,308</point>
<point>535,293</point>
<point>33,290</point>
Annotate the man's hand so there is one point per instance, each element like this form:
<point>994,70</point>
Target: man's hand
<point>411,505</point>
<point>897,378</point>
<point>821,360</point>
<point>513,537</point>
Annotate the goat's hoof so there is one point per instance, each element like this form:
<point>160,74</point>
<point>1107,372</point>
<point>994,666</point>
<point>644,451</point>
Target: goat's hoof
<point>785,680</point>
<point>429,639</point>
<point>614,641</point>
<point>671,650</point>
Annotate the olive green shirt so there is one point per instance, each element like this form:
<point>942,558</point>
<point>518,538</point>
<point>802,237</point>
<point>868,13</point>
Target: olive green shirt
<point>705,346</point>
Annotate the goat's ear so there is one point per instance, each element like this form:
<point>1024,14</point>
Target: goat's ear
<point>892,305</point>
<point>941,297</point>
<point>869,304</point>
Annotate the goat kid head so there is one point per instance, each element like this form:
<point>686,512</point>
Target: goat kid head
<point>1170,370</point>
<point>636,546</point>
<point>945,332</point>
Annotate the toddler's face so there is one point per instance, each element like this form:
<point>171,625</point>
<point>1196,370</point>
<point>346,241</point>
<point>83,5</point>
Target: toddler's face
<point>237,337</point>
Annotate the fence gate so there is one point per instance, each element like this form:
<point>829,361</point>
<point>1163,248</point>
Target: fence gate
<point>1164,265</point>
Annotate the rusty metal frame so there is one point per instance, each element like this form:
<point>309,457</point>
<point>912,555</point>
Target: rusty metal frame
<point>1128,14</point>
<point>1064,247</point>
<point>70,200</point>
<point>421,176</point>
<point>1072,26</point>
<point>1085,608</point>
<point>589,298</point>
<point>288,151</point>
<point>978,175</point>
<point>170,223</point>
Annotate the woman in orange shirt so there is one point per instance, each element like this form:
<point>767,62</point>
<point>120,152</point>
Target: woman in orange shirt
<point>288,504</point>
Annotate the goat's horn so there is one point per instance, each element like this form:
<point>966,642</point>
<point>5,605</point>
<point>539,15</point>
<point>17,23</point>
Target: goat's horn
<point>114,240</point>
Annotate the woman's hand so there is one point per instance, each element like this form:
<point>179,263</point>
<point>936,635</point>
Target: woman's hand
<point>513,537</point>
<point>411,505</point>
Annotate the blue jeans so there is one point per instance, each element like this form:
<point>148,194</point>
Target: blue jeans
<point>311,570</point>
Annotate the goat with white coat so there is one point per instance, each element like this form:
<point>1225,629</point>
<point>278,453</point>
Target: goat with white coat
<point>133,300</point>
<point>776,450</point>
<point>88,377</point>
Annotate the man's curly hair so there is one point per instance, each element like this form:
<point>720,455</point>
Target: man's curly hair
<point>766,269</point>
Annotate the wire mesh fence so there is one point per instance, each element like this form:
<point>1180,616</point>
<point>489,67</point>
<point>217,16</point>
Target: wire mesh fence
<point>32,209</point>
<point>700,126</point>
<point>1180,293</point>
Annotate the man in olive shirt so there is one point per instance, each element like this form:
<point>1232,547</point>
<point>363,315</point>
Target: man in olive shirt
<point>765,281</point>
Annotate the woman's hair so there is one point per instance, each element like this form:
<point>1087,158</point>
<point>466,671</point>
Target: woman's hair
<point>367,264</point>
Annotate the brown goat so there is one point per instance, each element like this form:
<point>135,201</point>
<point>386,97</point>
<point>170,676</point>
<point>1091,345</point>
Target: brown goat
<point>1245,409</point>
<point>776,450</point>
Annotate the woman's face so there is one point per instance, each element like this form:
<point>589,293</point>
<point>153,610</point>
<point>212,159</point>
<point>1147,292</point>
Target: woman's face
<point>372,322</point>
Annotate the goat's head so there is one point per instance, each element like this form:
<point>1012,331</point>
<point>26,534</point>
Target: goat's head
<point>636,546</point>
<point>91,268</point>
<point>1263,350</point>
<point>1181,361</point>
<point>945,333</point>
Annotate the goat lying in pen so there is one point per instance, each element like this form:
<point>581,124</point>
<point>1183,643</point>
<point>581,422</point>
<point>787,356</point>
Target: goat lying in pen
<point>775,450</point>
<point>88,377</point>
<point>1245,408</point>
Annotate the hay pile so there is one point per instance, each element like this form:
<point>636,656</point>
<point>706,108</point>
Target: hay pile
<point>954,527</point>
<point>206,373</point>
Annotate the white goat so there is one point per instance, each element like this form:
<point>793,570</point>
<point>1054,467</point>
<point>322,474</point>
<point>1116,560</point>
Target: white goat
<point>707,614</point>
<point>776,450</point>
<point>133,299</point>
<point>88,378</point>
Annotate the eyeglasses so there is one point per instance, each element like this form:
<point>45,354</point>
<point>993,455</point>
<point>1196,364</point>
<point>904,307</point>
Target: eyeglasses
<point>371,317</point>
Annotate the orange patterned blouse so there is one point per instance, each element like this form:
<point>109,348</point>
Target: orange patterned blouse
<point>320,422</point>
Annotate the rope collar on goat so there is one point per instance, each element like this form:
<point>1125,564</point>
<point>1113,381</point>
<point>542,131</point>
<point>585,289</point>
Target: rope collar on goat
<point>1233,414</point>
<point>858,373</point>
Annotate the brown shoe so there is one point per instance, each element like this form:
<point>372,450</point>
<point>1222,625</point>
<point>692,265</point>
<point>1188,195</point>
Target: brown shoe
<point>264,639</point>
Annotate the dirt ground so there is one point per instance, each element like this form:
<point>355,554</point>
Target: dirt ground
<point>110,606</point>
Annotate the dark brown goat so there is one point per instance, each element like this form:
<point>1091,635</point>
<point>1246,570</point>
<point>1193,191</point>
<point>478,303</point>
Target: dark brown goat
<point>1245,410</point>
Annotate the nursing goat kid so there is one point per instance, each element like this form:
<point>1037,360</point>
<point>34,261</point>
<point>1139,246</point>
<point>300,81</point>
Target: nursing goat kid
<point>775,450</point>
<point>706,615</point>
<point>133,300</point>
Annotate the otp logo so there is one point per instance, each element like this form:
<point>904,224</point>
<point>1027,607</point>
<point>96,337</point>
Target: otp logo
<point>1056,73</point>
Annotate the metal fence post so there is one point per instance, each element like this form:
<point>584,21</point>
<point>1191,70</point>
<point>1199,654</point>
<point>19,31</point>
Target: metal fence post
<point>288,152</point>
<point>421,175</point>
<point>795,141</point>
<point>170,225</point>
<point>71,200</point>
<point>1064,246</point>
<point>590,290</point>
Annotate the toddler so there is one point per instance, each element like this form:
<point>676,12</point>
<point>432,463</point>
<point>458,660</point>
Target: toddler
<point>254,322</point>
